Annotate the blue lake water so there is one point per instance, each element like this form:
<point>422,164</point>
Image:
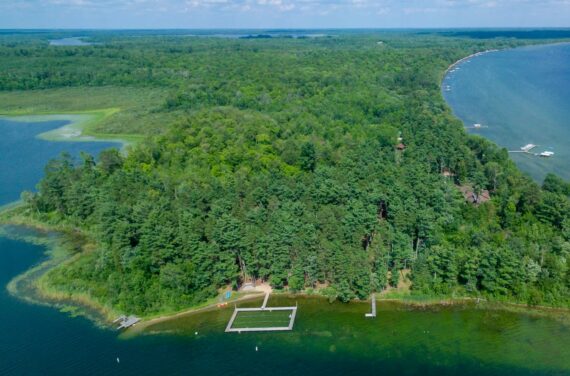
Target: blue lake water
<point>327,339</point>
<point>74,41</point>
<point>523,96</point>
<point>24,156</point>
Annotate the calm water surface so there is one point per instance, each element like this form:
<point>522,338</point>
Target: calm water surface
<point>523,96</point>
<point>23,156</point>
<point>327,340</point>
<point>74,41</point>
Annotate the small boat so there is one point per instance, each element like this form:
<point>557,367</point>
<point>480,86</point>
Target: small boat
<point>546,154</point>
<point>477,125</point>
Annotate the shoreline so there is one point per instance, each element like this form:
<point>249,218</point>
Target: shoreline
<point>84,305</point>
<point>559,314</point>
<point>480,53</point>
<point>84,119</point>
<point>458,62</point>
<point>29,285</point>
<point>507,129</point>
<point>77,128</point>
<point>143,324</point>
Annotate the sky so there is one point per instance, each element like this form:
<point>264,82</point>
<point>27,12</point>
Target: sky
<point>164,14</point>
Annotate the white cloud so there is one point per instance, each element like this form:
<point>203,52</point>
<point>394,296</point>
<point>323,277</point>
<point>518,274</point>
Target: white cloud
<point>297,13</point>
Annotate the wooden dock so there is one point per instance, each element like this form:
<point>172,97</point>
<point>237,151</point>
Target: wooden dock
<point>372,314</point>
<point>126,322</point>
<point>265,301</point>
<point>120,318</point>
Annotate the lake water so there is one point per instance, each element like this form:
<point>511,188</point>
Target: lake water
<point>523,96</point>
<point>327,339</point>
<point>74,41</point>
<point>23,156</point>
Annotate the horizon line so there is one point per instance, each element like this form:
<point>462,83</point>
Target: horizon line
<point>293,28</point>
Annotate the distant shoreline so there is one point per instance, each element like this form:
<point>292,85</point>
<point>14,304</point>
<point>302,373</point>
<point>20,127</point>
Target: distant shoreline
<point>507,128</point>
<point>77,128</point>
<point>480,53</point>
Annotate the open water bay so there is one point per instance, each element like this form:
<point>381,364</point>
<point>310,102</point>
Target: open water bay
<point>520,96</point>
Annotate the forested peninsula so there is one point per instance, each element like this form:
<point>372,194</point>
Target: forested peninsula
<point>328,163</point>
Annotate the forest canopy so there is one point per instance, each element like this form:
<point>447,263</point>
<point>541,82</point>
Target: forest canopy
<point>280,160</point>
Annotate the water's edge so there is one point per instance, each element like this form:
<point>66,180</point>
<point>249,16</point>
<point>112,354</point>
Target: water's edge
<point>503,131</point>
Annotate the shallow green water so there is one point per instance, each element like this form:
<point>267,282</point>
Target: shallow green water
<point>336,339</point>
<point>523,96</point>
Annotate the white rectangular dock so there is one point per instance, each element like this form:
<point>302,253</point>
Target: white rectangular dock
<point>263,308</point>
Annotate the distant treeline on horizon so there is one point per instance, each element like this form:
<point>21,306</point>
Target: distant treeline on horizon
<point>481,33</point>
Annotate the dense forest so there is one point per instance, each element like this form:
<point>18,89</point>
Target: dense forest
<point>327,162</point>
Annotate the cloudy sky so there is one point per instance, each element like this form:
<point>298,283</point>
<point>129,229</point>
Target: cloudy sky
<point>282,13</point>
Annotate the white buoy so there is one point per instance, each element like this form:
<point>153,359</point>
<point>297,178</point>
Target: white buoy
<point>195,333</point>
<point>256,349</point>
<point>118,360</point>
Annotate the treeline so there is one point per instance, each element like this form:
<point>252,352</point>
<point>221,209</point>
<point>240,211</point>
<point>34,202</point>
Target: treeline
<point>285,169</point>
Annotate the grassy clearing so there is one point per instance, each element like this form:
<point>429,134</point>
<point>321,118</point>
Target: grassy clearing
<point>105,112</point>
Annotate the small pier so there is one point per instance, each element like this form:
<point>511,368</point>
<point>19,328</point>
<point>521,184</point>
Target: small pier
<point>477,126</point>
<point>528,149</point>
<point>265,300</point>
<point>372,314</point>
<point>126,322</point>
